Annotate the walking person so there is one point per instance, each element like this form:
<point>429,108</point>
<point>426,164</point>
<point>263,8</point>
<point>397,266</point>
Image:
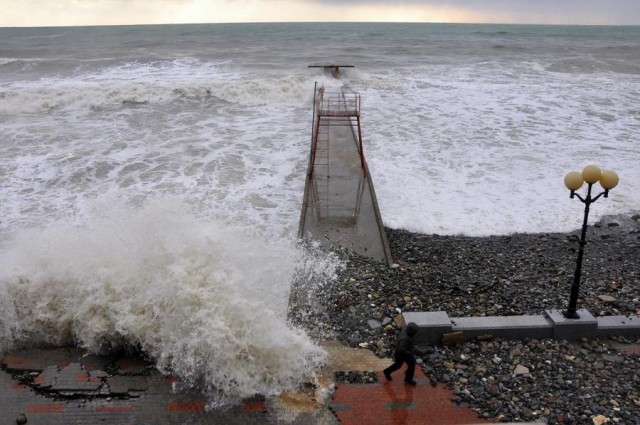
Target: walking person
<point>404,354</point>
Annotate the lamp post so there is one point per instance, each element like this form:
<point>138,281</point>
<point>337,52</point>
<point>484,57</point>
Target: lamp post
<point>574,181</point>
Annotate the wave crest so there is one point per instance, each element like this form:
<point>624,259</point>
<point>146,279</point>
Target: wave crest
<point>153,83</point>
<point>206,300</point>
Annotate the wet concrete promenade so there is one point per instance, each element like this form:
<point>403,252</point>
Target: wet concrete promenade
<point>65,386</point>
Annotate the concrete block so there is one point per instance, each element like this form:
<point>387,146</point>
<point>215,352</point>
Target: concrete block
<point>618,325</point>
<point>432,325</point>
<point>564,328</point>
<point>511,327</point>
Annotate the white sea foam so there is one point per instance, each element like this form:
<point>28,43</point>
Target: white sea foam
<point>207,300</point>
<point>476,149</point>
<point>135,83</point>
<point>468,152</point>
<point>5,61</point>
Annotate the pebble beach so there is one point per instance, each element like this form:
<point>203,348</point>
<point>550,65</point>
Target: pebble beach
<point>557,382</point>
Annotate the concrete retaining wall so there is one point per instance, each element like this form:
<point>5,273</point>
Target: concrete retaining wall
<point>552,324</point>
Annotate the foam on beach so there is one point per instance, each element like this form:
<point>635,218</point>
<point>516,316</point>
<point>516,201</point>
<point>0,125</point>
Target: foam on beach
<point>206,300</point>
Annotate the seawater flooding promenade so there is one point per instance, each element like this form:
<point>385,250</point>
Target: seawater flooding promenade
<point>65,386</point>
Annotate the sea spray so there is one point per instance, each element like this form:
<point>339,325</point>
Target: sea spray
<point>206,300</point>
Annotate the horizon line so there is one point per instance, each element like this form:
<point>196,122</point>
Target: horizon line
<point>318,22</point>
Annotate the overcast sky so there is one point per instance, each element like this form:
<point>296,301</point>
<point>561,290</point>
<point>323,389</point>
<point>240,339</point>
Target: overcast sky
<point>110,12</point>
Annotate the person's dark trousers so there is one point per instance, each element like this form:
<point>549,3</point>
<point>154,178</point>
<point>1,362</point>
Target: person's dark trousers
<point>403,358</point>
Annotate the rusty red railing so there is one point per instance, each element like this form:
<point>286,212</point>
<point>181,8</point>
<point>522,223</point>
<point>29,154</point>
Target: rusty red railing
<point>333,108</point>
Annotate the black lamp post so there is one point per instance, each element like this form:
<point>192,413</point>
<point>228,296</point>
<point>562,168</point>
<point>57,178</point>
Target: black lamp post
<point>574,180</point>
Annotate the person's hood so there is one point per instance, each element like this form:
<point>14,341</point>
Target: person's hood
<point>412,329</point>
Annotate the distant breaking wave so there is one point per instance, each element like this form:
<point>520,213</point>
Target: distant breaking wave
<point>91,96</point>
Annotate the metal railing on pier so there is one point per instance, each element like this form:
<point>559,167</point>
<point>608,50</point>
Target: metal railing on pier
<point>335,108</point>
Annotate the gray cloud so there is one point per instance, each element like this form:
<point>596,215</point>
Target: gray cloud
<point>604,11</point>
<point>85,12</point>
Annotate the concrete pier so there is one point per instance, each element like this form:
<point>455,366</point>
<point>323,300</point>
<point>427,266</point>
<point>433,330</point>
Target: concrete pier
<point>340,208</point>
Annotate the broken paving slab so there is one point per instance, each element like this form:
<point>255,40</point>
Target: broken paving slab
<point>47,378</point>
<point>73,379</point>
<point>97,373</point>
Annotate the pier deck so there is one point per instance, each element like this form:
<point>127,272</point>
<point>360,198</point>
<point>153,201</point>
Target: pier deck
<point>340,206</point>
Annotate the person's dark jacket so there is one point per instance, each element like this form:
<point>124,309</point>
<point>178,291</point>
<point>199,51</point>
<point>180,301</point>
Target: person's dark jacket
<point>405,343</point>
